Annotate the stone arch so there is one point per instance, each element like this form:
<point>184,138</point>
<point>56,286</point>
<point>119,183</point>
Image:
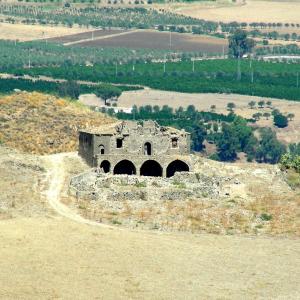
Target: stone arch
<point>177,166</point>
<point>125,167</point>
<point>147,148</point>
<point>151,168</point>
<point>105,166</point>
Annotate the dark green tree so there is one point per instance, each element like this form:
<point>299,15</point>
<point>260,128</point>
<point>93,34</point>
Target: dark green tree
<point>198,136</point>
<point>280,121</point>
<point>108,92</point>
<point>69,89</point>
<point>227,144</point>
<point>270,149</point>
<point>240,44</point>
<point>252,104</point>
<point>231,106</point>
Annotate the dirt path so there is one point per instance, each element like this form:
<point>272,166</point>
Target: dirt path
<point>62,258</point>
<point>56,178</point>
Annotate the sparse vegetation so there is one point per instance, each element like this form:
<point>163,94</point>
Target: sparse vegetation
<point>41,118</point>
<point>268,213</point>
<point>179,185</point>
<point>141,184</point>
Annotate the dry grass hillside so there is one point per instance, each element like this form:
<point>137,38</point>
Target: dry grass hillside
<point>48,256</point>
<point>285,11</point>
<point>43,124</point>
<point>51,254</point>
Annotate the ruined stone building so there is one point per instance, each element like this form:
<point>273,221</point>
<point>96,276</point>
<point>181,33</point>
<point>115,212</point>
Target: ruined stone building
<point>136,148</point>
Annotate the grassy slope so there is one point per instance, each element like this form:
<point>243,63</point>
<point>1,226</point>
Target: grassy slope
<point>40,124</point>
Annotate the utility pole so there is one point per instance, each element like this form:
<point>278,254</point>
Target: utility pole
<point>193,62</point>
<point>251,70</point>
<point>239,65</point>
<point>165,64</point>
<point>29,63</point>
<point>92,35</point>
<point>170,38</point>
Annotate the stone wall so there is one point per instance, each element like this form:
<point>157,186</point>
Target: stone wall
<point>137,144</point>
<point>110,189</point>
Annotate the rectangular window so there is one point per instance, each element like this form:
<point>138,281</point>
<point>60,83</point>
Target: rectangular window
<point>119,143</point>
<point>174,142</point>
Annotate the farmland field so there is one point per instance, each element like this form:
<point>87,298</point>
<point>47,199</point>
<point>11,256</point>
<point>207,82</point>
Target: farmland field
<point>203,102</point>
<point>146,39</point>
<point>85,35</point>
<point>248,11</point>
<point>277,80</point>
<point>23,32</point>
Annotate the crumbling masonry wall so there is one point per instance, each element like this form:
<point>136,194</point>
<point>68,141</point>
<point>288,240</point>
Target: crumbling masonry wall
<point>137,148</point>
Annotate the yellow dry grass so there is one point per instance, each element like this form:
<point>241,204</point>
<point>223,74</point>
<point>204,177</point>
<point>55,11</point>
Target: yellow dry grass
<point>53,258</point>
<point>23,32</point>
<point>268,214</point>
<point>241,11</point>
<point>42,124</point>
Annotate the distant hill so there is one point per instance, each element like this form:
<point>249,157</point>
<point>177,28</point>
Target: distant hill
<point>43,124</point>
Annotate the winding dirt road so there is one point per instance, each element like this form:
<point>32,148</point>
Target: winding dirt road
<point>56,176</point>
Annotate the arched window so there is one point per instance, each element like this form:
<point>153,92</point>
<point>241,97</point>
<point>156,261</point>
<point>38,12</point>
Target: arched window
<point>125,167</point>
<point>151,168</point>
<point>102,149</point>
<point>177,166</point>
<point>105,166</point>
<point>147,149</point>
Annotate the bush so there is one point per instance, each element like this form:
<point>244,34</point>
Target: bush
<point>280,121</point>
<point>266,217</point>
<point>289,161</point>
<point>141,184</point>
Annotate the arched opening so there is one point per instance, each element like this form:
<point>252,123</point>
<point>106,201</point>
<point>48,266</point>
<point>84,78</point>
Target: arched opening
<point>176,166</point>
<point>102,149</point>
<point>147,149</point>
<point>125,167</point>
<point>151,168</point>
<point>105,166</point>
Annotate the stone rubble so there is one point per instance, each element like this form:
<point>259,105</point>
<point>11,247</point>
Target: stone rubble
<point>182,186</point>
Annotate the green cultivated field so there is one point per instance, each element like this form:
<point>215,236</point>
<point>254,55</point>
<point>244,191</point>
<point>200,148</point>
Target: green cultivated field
<point>278,80</point>
<point>8,86</point>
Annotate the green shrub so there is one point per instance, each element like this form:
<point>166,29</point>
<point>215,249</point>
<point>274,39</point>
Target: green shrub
<point>116,222</point>
<point>289,161</point>
<point>178,184</point>
<point>266,217</point>
<point>141,184</point>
